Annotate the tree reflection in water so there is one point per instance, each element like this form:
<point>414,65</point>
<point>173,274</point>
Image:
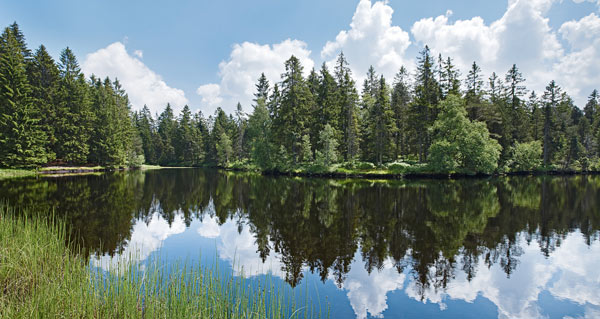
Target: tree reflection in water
<point>426,228</point>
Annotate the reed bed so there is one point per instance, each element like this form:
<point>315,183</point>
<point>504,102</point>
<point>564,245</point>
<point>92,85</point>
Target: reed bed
<point>43,276</point>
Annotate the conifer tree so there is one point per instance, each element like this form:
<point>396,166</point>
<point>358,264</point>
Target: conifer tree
<point>348,98</point>
<point>259,133</point>
<point>551,97</point>
<point>74,116</point>
<point>296,102</point>
<point>423,111</point>
<point>166,132</point>
<point>262,88</point>
<point>378,135</point>
<point>43,75</point>
<point>400,102</point>
<point>21,136</point>
<point>474,93</point>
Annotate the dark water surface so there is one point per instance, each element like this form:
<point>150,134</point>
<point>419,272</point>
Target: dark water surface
<point>515,247</point>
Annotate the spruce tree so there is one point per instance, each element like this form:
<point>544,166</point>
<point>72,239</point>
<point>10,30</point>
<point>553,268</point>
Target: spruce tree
<point>401,98</point>
<point>424,109</point>
<point>348,99</point>
<point>73,113</point>
<point>43,76</point>
<point>166,133</point>
<point>378,135</point>
<point>551,98</point>
<point>21,136</point>
<point>296,101</point>
<point>474,93</point>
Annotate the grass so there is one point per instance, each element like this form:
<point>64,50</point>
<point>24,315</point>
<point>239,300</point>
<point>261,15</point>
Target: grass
<point>41,277</point>
<point>146,167</point>
<point>12,173</point>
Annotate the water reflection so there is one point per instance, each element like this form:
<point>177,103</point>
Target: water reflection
<point>513,241</point>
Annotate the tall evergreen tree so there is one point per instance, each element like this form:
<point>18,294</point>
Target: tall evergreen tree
<point>259,133</point>
<point>74,115</point>
<point>449,82</point>
<point>262,88</point>
<point>401,98</point>
<point>21,136</point>
<point>378,136</point>
<point>296,102</point>
<point>474,93</point>
<point>348,99</point>
<point>147,131</point>
<point>551,98</point>
<point>424,109</point>
<point>516,116</point>
<point>166,132</point>
<point>43,76</point>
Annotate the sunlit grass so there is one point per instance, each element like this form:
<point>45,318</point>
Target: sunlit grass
<point>40,276</point>
<point>12,173</point>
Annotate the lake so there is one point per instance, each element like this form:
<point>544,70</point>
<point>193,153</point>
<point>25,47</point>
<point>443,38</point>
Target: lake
<point>507,247</point>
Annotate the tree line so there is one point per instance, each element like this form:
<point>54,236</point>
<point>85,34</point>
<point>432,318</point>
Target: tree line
<point>52,113</point>
<point>475,125</point>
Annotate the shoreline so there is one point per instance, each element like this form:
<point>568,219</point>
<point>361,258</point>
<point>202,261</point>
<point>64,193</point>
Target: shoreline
<point>57,171</point>
<point>390,175</point>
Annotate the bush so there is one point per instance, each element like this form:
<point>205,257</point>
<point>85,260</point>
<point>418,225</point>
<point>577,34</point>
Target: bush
<point>364,165</point>
<point>398,166</point>
<point>595,165</point>
<point>526,156</point>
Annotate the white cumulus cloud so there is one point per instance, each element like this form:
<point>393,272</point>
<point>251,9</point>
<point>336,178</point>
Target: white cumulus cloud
<point>240,72</point>
<point>142,84</point>
<point>521,36</point>
<point>371,40</point>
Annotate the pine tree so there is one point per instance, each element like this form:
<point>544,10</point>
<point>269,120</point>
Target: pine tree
<point>474,94</point>
<point>516,116</point>
<point>327,105</point>
<point>20,38</point>
<point>188,146</point>
<point>259,133</point>
<point>400,102</point>
<point>21,136</point>
<point>296,102</point>
<point>239,150</point>
<point>348,98</point>
<point>423,111</point>
<point>378,135</point>
<point>166,133</point>
<point>147,131</point>
<point>74,116</point>
<point>262,88</point>
<point>551,96</point>
<point>43,75</point>
<point>328,146</point>
<point>449,82</point>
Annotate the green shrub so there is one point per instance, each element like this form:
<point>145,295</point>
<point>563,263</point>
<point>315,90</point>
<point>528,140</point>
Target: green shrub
<point>364,165</point>
<point>526,156</point>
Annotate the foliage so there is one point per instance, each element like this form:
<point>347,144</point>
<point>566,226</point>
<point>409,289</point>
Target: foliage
<point>328,155</point>
<point>460,145</point>
<point>526,156</point>
<point>50,112</point>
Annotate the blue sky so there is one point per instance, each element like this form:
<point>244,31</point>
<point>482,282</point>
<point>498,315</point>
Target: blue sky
<point>204,53</point>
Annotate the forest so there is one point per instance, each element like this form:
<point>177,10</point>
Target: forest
<point>433,120</point>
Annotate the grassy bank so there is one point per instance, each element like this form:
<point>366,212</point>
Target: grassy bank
<point>41,277</point>
<point>394,170</point>
<point>12,173</point>
<point>52,170</point>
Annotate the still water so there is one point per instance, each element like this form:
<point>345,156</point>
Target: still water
<point>514,247</point>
